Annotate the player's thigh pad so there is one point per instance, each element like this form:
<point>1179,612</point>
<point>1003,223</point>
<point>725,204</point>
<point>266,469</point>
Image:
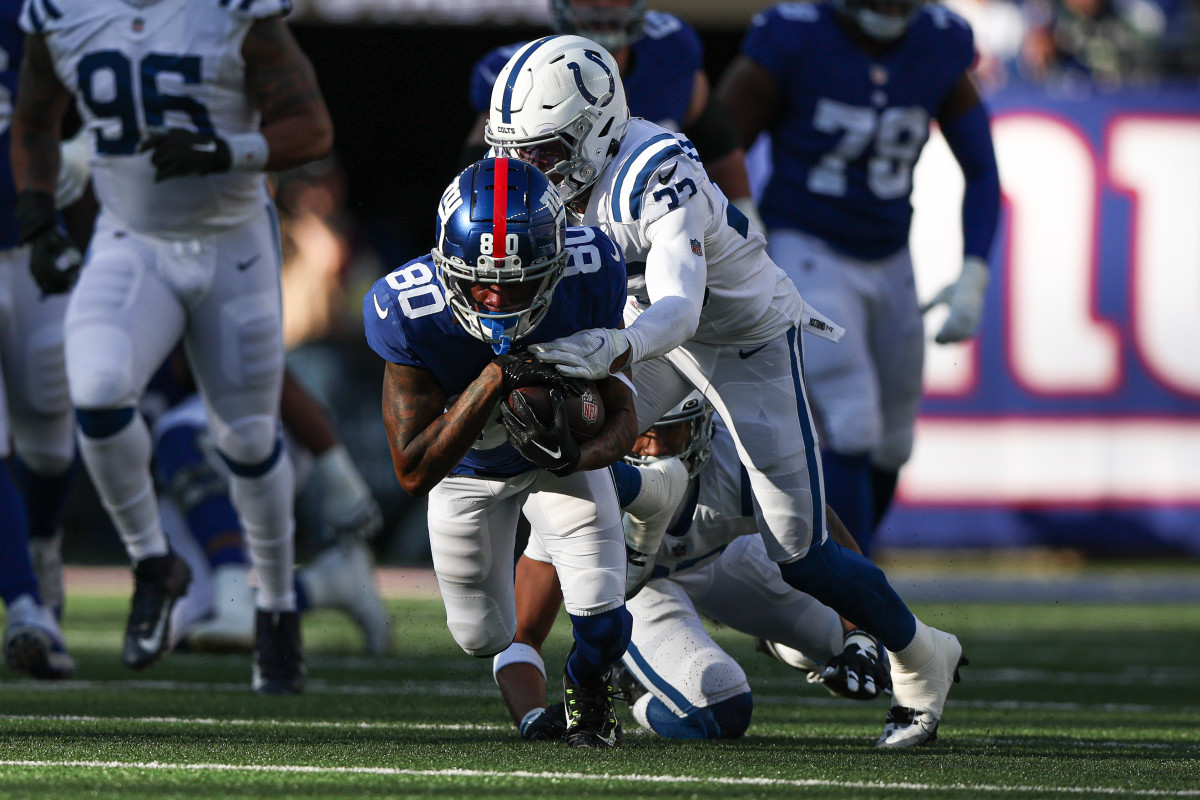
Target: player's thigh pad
<point>578,522</point>
<point>759,393</point>
<point>898,351</point>
<point>672,654</point>
<point>121,322</point>
<point>841,376</point>
<point>744,590</point>
<point>472,533</point>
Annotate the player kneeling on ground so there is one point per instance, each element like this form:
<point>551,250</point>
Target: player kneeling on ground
<point>711,562</point>
<point>505,272</point>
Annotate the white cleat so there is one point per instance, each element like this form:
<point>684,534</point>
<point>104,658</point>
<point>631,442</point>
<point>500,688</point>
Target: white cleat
<point>33,642</point>
<point>342,577</point>
<point>918,697</point>
<point>230,627</point>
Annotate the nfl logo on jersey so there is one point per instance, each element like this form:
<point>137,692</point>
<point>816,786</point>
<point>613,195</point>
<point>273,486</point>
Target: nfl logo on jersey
<point>696,248</point>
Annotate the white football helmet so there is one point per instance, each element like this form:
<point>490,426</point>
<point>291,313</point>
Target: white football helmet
<point>613,27</point>
<point>698,413</point>
<point>559,104</point>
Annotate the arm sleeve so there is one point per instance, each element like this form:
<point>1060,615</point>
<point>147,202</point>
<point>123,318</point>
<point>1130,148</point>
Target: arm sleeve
<point>675,281</point>
<point>970,139</point>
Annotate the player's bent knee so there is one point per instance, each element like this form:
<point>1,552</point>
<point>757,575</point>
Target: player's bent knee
<point>478,641</point>
<point>250,441</point>
<point>733,715</point>
<point>102,388</point>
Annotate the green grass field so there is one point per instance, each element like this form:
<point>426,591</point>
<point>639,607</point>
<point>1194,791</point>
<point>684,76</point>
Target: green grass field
<point>1060,700</point>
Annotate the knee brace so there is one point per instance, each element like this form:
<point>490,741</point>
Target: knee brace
<point>101,423</point>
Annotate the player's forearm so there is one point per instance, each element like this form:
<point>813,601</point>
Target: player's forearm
<point>425,449</point>
<point>970,139</point>
<point>37,122</point>
<point>299,139</point>
<point>675,279</point>
<point>619,433</point>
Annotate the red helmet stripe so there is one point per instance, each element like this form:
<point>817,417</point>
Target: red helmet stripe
<point>500,210</point>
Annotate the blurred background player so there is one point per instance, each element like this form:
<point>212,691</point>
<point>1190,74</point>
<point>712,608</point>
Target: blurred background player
<point>36,423</point>
<point>716,315</point>
<point>504,273</point>
<point>711,562</point>
<point>217,612</point>
<point>186,247</point>
<point>661,60</point>
<point>847,90</point>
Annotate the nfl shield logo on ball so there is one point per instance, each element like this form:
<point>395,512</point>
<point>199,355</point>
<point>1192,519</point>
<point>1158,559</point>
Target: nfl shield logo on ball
<point>591,409</point>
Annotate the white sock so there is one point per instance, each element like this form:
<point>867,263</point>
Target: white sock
<point>638,709</point>
<point>120,469</point>
<point>264,505</point>
<point>920,650</point>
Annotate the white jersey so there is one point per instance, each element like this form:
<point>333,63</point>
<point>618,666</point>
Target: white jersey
<point>718,509</point>
<point>748,299</point>
<point>139,66</point>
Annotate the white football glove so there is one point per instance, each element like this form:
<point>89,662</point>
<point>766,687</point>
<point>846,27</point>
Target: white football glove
<point>348,507</point>
<point>75,170</point>
<point>965,298</point>
<point>588,354</point>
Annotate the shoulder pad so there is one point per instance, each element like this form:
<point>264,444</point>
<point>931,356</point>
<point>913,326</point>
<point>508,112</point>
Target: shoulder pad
<point>649,172</point>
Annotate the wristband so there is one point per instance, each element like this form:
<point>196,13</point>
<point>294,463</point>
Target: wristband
<point>248,152</point>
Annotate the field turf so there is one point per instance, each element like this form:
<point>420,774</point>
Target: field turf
<point>1060,700</point>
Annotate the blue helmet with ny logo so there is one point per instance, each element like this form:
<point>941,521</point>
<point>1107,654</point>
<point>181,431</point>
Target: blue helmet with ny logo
<point>500,250</point>
<point>559,104</point>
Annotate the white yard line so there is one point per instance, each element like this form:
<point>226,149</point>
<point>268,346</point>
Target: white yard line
<point>607,777</point>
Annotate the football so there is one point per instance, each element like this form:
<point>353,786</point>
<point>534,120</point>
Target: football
<point>585,409</point>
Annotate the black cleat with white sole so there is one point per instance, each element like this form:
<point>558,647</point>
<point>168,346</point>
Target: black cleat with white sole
<point>158,582</point>
<point>591,718</point>
<point>278,654</point>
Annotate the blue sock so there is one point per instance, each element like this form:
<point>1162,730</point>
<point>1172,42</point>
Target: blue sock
<point>848,490</point>
<point>16,570</point>
<point>725,720</point>
<point>202,494</point>
<point>600,641</point>
<point>45,496</point>
<point>628,481</point>
<point>855,588</point>
<point>302,603</point>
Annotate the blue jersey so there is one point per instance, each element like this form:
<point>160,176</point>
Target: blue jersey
<point>408,321</point>
<point>851,126</point>
<point>659,80</point>
<point>12,48</point>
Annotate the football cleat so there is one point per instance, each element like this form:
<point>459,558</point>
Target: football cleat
<point>918,697</point>
<point>342,577</point>
<point>629,688</point>
<point>591,717</point>
<point>278,655</point>
<point>545,724</point>
<point>230,626</point>
<point>158,583</point>
<point>33,643</point>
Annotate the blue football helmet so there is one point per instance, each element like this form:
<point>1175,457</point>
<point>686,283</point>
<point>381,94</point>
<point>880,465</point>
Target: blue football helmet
<point>500,223</point>
<point>610,27</point>
<point>876,18</point>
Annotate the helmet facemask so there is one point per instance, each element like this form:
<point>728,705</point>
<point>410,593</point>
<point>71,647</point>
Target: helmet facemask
<point>611,27</point>
<point>873,20</point>
<point>697,414</point>
<point>527,264</point>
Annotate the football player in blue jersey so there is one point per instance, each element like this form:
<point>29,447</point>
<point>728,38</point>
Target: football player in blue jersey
<point>716,314</point>
<point>186,105</point>
<point>35,412</point>
<point>847,90</point>
<point>505,273</point>
<point>661,59</point>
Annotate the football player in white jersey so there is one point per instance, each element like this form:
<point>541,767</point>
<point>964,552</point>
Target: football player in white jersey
<point>187,103</point>
<point>715,314</point>
<point>711,562</point>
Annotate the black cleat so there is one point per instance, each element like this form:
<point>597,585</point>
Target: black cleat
<point>157,583</point>
<point>629,688</point>
<point>278,655</point>
<point>548,726</point>
<point>591,718</point>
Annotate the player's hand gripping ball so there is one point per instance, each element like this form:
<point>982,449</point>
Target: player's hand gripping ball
<point>581,403</point>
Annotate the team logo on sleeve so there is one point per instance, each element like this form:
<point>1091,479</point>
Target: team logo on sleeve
<point>697,249</point>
